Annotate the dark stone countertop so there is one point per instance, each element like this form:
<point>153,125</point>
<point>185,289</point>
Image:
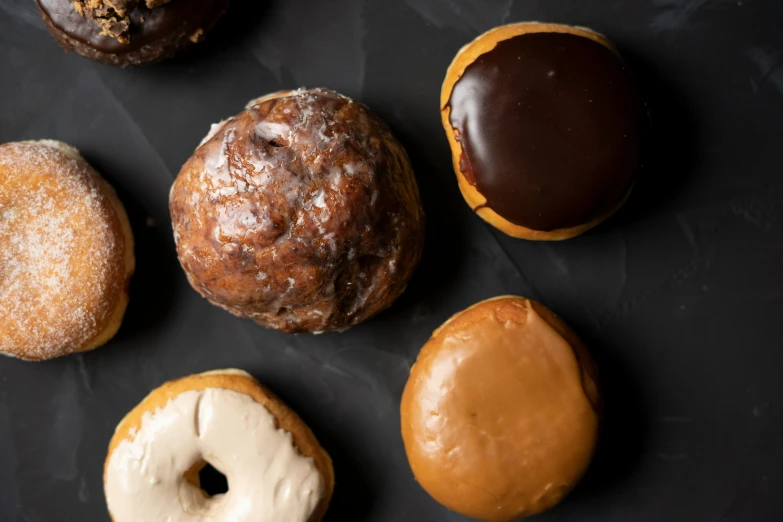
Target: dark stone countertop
<point>679,296</point>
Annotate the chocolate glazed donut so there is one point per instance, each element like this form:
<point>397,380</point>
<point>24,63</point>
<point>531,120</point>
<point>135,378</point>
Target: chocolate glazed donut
<point>129,32</point>
<point>301,213</point>
<point>545,125</point>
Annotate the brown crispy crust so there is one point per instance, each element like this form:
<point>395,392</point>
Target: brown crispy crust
<point>241,382</point>
<point>467,55</point>
<point>314,227</point>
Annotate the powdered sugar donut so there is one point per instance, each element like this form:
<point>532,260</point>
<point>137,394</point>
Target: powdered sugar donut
<point>274,466</point>
<point>302,213</point>
<point>66,252</point>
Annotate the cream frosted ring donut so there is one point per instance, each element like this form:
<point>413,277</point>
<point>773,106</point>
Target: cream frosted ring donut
<point>66,252</point>
<point>275,468</point>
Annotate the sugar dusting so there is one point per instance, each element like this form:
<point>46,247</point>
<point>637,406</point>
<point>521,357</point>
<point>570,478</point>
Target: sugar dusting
<point>58,251</point>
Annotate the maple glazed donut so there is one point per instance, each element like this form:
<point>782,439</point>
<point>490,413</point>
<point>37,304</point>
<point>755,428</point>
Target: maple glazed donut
<point>545,124</point>
<point>275,468</point>
<point>66,252</point>
<point>500,414</point>
<point>301,213</point>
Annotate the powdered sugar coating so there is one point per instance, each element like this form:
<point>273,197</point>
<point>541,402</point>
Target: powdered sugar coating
<point>301,212</point>
<point>63,252</point>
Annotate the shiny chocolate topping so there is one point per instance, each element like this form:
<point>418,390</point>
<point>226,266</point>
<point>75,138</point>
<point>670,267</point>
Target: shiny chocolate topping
<point>549,125</point>
<point>135,26</point>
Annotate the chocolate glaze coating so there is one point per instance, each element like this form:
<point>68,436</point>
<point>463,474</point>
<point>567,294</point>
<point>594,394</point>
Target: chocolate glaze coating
<point>142,35</point>
<point>549,125</point>
<point>301,213</point>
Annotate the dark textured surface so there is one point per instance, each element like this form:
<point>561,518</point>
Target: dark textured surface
<point>679,296</point>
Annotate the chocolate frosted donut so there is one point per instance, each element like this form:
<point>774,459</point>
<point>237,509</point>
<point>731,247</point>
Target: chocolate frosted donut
<point>544,122</point>
<point>301,212</point>
<point>129,32</point>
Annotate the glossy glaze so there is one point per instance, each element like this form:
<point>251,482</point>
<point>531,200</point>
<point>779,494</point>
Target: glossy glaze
<point>499,415</point>
<point>301,212</point>
<point>550,129</point>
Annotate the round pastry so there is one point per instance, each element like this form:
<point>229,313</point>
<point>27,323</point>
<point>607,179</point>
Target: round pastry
<point>129,32</point>
<point>274,466</point>
<point>302,213</point>
<point>544,123</point>
<point>500,413</point>
<point>66,252</point>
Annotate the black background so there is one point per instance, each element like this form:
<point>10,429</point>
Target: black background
<point>679,296</point>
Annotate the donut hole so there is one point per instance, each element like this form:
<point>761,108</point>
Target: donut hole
<point>212,481</point>
<point>207,478</point>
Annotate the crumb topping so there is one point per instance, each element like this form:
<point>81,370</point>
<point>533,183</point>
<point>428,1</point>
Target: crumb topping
<point>113,16</point>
